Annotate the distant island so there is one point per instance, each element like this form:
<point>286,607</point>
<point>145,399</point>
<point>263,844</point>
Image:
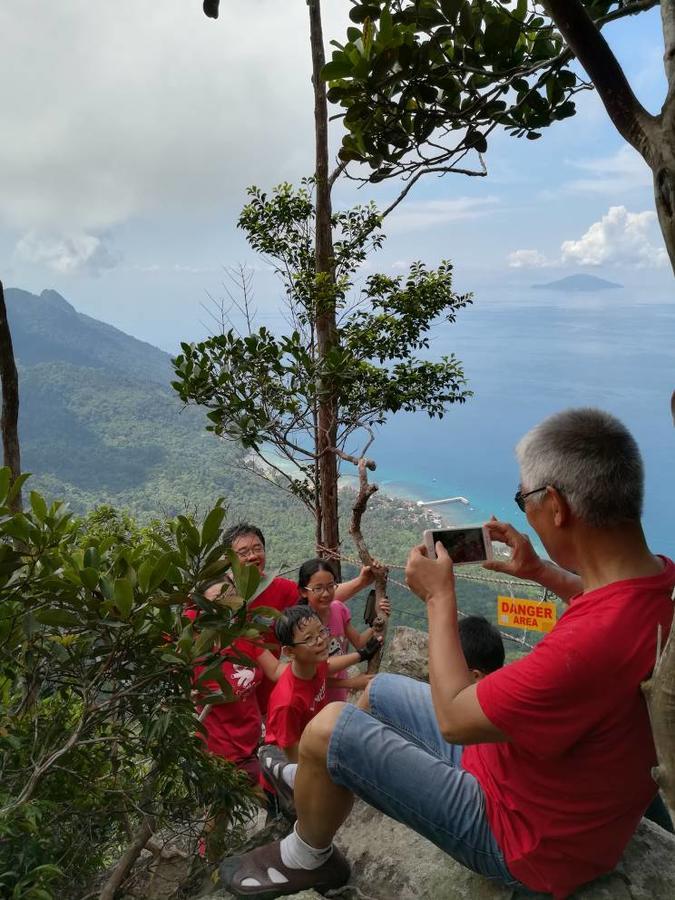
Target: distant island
<point>578,284</point>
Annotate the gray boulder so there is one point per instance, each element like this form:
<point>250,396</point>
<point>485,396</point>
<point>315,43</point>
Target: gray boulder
<point>391,861</point>
<point>407,653</point>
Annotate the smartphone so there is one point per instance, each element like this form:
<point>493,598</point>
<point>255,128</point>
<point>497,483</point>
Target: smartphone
<point>464,545</point>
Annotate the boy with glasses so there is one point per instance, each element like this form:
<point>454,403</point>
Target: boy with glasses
<point>301,691</point>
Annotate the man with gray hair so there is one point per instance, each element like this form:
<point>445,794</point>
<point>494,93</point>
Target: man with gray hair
<point>537,775</point>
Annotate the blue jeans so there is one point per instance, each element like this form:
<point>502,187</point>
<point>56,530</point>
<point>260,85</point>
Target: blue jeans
<point>396,759</point>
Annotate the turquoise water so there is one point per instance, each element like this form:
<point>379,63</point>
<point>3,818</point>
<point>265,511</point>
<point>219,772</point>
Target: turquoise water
<point>528,354</point>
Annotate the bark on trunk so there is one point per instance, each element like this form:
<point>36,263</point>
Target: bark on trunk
<point>10,400</point>
<point>659,692</point>
<point>326,329</point>
<point>663,166</point>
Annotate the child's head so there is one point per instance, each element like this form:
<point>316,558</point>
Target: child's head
<point>302,634</point>
<point>482,646</point>
<point>213,588</point>
<point>317,579</point>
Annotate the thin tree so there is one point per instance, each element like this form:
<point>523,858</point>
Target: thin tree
<point>327,296</point>
<point>9,378</point>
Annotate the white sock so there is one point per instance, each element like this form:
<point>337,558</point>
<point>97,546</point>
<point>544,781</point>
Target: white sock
<point>288,774</point>
<point>296,854</point>
<point>285,770</point>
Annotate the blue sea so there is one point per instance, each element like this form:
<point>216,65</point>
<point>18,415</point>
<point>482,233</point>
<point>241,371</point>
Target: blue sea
<point>527,354</point>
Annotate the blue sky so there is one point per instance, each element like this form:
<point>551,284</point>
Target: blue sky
<point>131,130</point>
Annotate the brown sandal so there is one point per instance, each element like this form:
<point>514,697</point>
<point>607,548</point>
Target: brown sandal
<point>257,863</point>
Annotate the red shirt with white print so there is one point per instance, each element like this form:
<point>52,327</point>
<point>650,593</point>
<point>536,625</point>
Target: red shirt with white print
<point>279,594</point>
<point>233,729</point>
<point>294,702</point>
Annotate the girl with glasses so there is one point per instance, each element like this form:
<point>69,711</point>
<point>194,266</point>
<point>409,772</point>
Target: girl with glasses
<point>320,590</point>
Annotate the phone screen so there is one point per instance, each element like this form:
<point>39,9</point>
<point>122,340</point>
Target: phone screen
<point>463,544</point>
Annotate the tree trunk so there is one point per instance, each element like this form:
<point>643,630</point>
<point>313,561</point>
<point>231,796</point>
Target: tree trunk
<point>10,400</point>
<point>663,169</point>
<point>659,692</point>
<point>126,862</point>
<point>326,329</point>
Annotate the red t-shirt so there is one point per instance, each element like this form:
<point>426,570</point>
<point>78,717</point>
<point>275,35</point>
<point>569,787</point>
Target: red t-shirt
<point>279,594</point>
<point>294,702</point>
<point>565,796</point>
<point>233,729</point>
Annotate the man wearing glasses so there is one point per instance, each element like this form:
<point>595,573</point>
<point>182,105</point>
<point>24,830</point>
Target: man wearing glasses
<point>537,775</point>
<point>248,542</point>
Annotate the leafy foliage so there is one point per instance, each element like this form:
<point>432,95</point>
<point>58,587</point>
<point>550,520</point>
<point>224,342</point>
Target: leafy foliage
<point>97,722</point>
<point>263,389</point>
<point>423,83</point>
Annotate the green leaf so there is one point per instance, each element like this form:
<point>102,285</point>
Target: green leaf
<point>160,570</point>
<point>38,506</point>
<point>5,477</point>
<point>337,68</point>
<point>58,617</point>
<point>89,578</point>
<point>123,597</point>
<point>91,558</point>
<point>212,525</point>
<point>17,484</point>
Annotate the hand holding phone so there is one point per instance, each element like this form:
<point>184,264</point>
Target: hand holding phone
<point>464,545</point>
<point>428,577</point>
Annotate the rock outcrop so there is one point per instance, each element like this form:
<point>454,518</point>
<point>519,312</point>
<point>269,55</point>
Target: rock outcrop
<point>391,861</point>
<point>407,653</point>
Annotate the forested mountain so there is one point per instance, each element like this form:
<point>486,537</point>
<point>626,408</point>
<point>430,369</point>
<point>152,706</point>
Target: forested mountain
<point>100,424</point>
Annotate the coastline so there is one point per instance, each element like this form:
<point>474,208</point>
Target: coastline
<point>403,497</point>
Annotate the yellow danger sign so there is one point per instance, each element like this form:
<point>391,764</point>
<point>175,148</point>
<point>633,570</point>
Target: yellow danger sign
<point>536,615</point>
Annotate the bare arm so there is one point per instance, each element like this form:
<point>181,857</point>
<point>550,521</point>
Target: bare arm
<point>458,712</point>
<point>358,639</point>
<point>338,663</point>
<point>526,563</point>
<point>364,579</point>
<point>271,666</point>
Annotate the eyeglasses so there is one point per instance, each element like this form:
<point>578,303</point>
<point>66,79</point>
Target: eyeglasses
<point>248,552</point>
<point>313,639</point>
<point>520,496</point>
<point>322,588</point>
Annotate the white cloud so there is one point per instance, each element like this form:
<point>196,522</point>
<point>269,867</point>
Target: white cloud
<point>623,171</point>
<point>421,215</point>
<point>527,259</point>
<point>114,111</point>
<point>66,254</point>
<point>620,238</point>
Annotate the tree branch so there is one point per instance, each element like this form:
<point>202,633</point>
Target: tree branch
<point>584,39</point>
<point>364,494</point>
<point>440,169</point>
